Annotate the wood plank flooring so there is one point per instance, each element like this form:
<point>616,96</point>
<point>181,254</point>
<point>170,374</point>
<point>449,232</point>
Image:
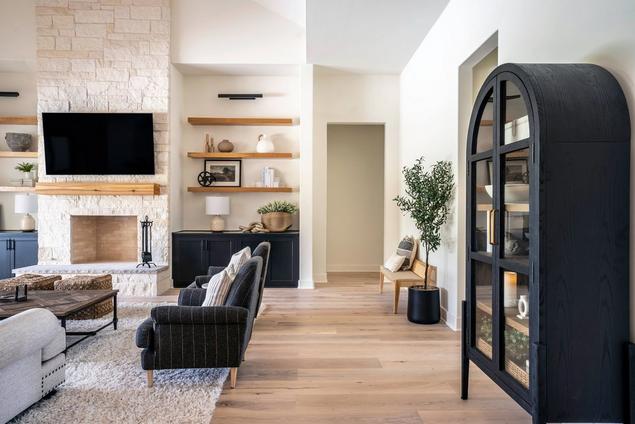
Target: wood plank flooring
<point>337,354</point>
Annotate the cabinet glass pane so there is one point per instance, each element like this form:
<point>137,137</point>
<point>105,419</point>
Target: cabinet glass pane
<point>516,199</point>
<point>484,204</point>
<point>515,297</point>
<point>516,119</point>
<point>485,130</point>
<point>482,280</point>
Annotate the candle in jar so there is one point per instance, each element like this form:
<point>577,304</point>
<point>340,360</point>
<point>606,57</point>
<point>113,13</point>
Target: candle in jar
<point>510,289</point>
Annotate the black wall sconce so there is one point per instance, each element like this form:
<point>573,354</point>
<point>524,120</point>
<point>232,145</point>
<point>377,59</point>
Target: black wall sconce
<point>240,96</point>
<point>9,94</point>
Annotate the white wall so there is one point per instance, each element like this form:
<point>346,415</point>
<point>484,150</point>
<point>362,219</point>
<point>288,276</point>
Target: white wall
<point>355,198</point>
<point>569,31</point>
<point>281,99</point>
<point>17,35</point>
<point>236,31</point>
<point>351,98</point>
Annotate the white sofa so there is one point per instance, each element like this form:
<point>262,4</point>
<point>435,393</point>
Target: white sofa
<point>32,360</point>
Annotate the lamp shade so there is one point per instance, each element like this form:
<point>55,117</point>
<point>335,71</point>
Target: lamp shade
<point>217,205</point>
<point>25,203</point>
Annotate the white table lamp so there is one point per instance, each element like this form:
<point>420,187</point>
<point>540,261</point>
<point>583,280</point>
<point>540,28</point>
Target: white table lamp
<point>26,204</point>
<point>217,206</point>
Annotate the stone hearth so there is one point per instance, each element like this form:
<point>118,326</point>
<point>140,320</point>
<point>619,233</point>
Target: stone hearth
<point>126,277</point>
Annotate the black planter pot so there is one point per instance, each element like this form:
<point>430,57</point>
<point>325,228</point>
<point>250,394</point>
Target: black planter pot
<point>424,306</point>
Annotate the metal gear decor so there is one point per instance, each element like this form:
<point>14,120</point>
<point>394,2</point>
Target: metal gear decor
<point>206,179</point>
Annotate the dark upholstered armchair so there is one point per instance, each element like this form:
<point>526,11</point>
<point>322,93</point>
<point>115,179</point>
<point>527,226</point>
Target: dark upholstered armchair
<point>263,250</point>
<point>193,336</point>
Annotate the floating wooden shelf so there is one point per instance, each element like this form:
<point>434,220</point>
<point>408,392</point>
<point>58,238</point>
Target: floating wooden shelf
<point>235,155</point>
<point>18,154</point>
<point>99,189</point>
<point>194,120</point>
<point>16,189</point>
<point>240,189</point>
<point>509,207</point>
<point>18,120</point>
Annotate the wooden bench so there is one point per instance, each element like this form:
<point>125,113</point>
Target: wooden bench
<point>410,278</point>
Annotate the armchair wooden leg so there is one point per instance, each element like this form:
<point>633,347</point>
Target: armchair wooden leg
<point>381,282</point>
<point>150,377</point>
<point>233,374</point>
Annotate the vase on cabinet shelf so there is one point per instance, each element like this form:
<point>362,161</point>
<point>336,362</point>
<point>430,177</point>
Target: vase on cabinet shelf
<point>265,145</point>
<point>539,162</point>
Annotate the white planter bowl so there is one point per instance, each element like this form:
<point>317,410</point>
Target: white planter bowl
<point>514,193</point>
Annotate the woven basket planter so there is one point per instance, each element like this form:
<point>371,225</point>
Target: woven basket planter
<point>89,282</point>
<point>32,281</point>
<point>277,222</point>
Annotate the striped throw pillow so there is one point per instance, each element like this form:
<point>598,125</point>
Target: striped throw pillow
<point>237,260</point>
<point>408,249</point>
<point>217,289</point>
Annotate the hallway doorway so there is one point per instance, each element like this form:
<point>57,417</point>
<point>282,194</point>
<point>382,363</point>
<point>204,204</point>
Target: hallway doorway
<point>355,197</point>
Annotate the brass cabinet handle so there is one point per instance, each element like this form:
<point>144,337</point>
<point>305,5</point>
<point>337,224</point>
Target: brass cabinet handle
<point>491,225</point>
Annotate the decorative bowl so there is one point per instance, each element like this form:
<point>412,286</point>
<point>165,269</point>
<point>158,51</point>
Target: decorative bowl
<point>514,193</point>
<point>277,222</point>
<point>18,142</point>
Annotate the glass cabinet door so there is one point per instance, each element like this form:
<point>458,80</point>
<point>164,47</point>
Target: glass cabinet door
<point>500,177</point>
<point>483,246</point>
<point>514,254</point>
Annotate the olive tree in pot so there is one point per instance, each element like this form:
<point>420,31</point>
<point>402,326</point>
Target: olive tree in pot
<point>427,198</point>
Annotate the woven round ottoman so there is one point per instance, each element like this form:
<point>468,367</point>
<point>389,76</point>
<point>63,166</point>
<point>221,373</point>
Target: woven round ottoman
<point>32,281</point>
<point>88,282</point>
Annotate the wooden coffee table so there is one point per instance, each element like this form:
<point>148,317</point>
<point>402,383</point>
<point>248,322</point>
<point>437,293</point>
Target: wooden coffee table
<point>63,303</point>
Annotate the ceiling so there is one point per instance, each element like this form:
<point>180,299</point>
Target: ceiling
<point>367,36</point>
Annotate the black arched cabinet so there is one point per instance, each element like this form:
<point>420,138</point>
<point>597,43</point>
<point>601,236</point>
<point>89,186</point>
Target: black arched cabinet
<point>546,314</point>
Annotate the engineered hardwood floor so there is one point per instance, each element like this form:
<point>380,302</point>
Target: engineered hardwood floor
<point>337,354</point>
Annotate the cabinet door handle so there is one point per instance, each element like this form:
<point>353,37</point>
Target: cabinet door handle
<point>491,226</point>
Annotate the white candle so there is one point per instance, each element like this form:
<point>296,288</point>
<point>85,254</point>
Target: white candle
<point>510,289</point>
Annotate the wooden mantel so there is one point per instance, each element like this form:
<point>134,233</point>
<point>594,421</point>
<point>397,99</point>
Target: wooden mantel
<point>98,189</point>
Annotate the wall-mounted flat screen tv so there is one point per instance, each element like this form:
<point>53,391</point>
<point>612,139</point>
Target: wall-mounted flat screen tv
<point>98,143</point>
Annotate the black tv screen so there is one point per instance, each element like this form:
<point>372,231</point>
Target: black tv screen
<point>98,143</point>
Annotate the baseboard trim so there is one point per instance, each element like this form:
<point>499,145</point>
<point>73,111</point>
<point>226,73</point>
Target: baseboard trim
<point>352,268</point>
<point>320,278</point>
<point>306,284</point>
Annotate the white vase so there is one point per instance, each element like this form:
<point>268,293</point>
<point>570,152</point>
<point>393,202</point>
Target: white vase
<point>523,306</point>
<point>265,145</point>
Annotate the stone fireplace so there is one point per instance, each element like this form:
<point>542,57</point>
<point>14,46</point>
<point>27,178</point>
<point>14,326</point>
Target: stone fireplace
<point>103,238</point>
<point>105,56</point>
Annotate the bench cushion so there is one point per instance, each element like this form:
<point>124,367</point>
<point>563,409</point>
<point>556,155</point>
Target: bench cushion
<point>400,275</point>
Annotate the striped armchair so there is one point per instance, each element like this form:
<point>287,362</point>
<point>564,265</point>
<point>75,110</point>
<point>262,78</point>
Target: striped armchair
<point>189,335</point>
<point>263,250</point>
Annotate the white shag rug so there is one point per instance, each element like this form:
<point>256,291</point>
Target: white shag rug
<point>105,382</point>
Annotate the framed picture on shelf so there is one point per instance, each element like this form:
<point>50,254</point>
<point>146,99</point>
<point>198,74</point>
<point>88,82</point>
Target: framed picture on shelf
<point>227,173</point>
<point>516,171</point>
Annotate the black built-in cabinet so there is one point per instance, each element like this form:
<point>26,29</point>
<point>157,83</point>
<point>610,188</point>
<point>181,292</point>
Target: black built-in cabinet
<point>548,226</point>
<point>194,251</point>
<point>17,249</point>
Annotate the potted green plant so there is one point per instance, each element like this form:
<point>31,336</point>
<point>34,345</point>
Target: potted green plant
<point>277,216</point>
<point>27,169</point>
<point>427,198</point>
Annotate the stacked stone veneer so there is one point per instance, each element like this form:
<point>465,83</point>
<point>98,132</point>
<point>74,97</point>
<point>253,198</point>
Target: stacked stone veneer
<point>103,56</point>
